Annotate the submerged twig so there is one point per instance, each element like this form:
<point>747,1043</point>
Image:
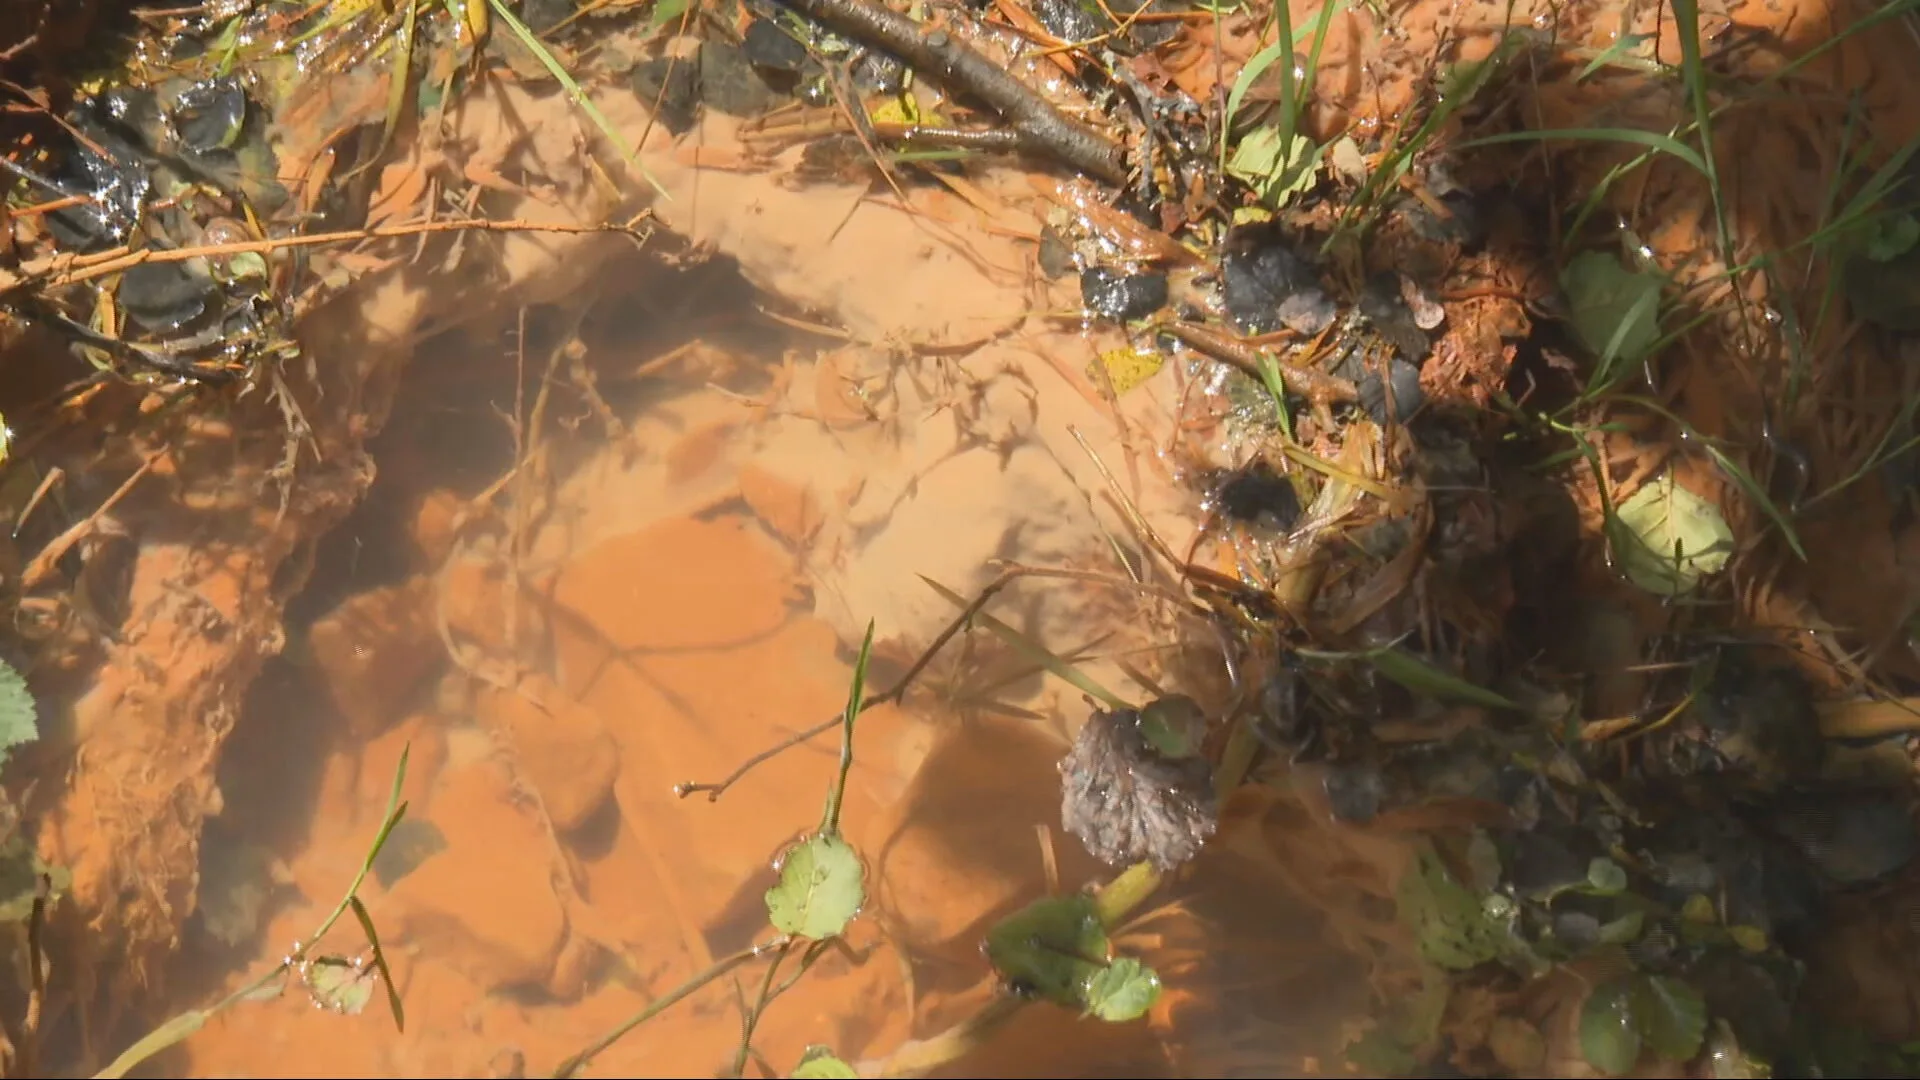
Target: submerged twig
<point>938,55</point>
<point>715,789</point>
<point>1315,385</point>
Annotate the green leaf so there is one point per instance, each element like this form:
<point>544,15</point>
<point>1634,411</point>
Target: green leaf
<point>1379,1053</point>
<point>1275,166</point>
<point>1891,238</point>
<point>1671,1017</point>
<point>1624,929</point>
<point>1609,1036</point>
<point>19,718</point>
<point>1604,876</point>
<point>339,984</point>
<point>1448,919</point>
<point>664,12</point>
<point>1175,726</point>
<point>1665,538</point>
<point>20,870</point>
<point>822,886</point>
<point>819,1063</point>
<point>1615,311</point>
<point>1123,990</point>
<point>1053,947</point>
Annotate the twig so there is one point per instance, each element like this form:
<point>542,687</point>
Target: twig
<point>667,1001</point>
<point>940,56</point>
<point>70,270</point>
<point>715,789</point>
<point>1312,383</point>
<point>27,1064</point>
<point>43,564</point>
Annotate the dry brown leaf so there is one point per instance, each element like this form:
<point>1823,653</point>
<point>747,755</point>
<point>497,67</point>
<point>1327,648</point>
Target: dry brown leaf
<point>402,185</point>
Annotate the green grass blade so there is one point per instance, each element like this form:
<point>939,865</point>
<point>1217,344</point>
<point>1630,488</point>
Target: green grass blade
<point>1652,140</point>
<point>380,964</point>
<point>1034,651</point>
<point>574,93</point>
<point>856,701</point>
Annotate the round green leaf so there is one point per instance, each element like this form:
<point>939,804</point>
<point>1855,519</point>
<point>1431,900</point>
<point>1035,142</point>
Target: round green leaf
<point>1665,538</point>
<point>1606,877</point>
<point>822,886</point>
<point>1123,990</point>
<point>1610,1037</point>
<point>1671,1017</point>
<point>819,1063</point>
<point>1615,311</point>
<point>337,983</point>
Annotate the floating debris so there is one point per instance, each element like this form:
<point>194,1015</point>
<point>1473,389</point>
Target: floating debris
<point>1135,785</point>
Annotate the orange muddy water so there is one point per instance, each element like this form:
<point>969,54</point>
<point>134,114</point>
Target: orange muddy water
<point>700,541</point>
<point>599,563</point>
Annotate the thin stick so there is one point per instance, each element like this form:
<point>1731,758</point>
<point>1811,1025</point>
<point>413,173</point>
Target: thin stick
<point>715,789</point>
<point>43,564</point>
<point>70,270</point>
<point>667,1001</point>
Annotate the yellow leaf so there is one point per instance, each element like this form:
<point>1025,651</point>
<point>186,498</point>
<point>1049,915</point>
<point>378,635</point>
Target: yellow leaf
<point>1127,368</point>
<point>904,109</point>
<point>1751,938</point>
<point>1699,909</point>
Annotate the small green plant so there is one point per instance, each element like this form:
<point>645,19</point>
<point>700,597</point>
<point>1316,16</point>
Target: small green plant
<point>821,890</point>
<point>342,984</point>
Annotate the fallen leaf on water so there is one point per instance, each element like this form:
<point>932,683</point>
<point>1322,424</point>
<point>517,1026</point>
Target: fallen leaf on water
<point>1665,538</point>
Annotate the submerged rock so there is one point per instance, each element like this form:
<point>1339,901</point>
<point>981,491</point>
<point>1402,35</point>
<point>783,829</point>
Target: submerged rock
<point>1122,297</point>
<point>1265,284</point>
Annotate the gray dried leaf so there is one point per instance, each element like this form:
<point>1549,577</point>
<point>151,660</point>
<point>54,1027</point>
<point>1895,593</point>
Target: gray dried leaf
<point>1127,801</point>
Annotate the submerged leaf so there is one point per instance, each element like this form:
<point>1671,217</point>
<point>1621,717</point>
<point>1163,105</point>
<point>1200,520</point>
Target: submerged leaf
<point>1053,948</point>
<point>337,983</point>
<point>1615,311</point>
<point>412,842</point>
<point>1128,800</point>
<point>1665,538</point>
<point>1123,990</point>
<point>1126,367</point>
<point>1448,919</point>
<point>1604,876</point>
<point>1671,1016</point>
<point>1610,1037</point>
<point>821,889</point>
<point>19,717</point>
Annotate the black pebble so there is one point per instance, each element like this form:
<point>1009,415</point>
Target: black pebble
<point>770,47</point>
<point>161,296</point>
<point>671,88</point>
<point>1407,395</point>
<point>1258,495</point>
<point>1122,297</point>
<point>1259,272</point>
